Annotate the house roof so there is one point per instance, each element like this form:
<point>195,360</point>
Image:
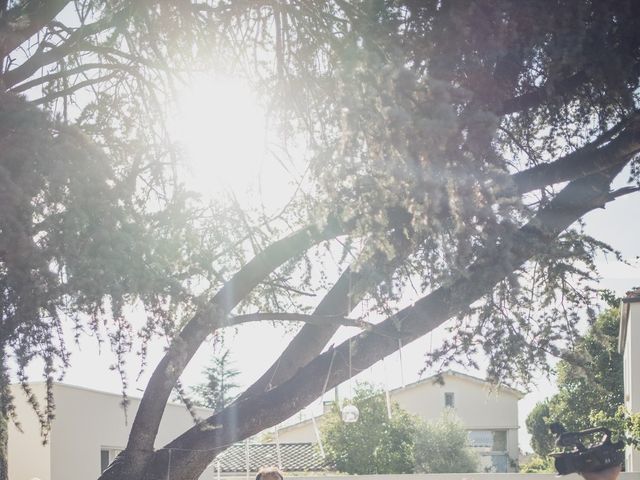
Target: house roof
<point>204,411</point>
<point>294,457</point>
<point>632,296</point>
<point>431,379</point>
<point>452,373</point>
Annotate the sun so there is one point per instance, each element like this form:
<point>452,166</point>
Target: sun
<point>220,126</point>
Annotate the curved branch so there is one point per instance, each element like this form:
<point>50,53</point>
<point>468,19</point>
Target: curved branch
<point>311,339</point>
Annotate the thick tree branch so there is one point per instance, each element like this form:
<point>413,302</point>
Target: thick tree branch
<point>274,406</point>
<point>25,20</point>
<point>586,160</point>
<point>538,96</point>
<point>75,87</point>
<point>67,73</point>
<point>184,346</point>
<point>311,339</point>
<point>333,320</point>
<point>42,58</point>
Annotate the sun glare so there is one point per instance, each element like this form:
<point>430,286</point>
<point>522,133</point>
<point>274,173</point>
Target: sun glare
<point>222,129</point>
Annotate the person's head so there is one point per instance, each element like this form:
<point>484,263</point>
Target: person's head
<point>610,473</point>
<point>269,473</point>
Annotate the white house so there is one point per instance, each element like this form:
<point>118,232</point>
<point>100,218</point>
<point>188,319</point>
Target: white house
<point>489,413</point>
<point>629,347</point>
<point>89,429</point>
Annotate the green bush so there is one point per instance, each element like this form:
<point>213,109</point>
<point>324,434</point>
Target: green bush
<point>442,447</point>
<point>538,464</point>
<point>375,444</point>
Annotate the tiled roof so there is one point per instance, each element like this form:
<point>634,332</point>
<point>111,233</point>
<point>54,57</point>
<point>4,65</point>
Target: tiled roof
<point>295,457</point>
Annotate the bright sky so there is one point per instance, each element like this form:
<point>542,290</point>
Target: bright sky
<point>226,133</point>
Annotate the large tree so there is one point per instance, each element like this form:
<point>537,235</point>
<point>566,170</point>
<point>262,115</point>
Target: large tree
<point>216,392</point>
<point>453,148</point>
<point>591,383</point>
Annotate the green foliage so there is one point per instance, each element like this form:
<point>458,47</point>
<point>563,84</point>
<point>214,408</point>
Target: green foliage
<point>622,424</point>
<point>590,385</point>
<point>442,446</point>
<point>538,427</point>
<point>217,391</point>
<point>375,444</point>
<point>538,464</point>
<point>87,235</point>
<point>633,429</point>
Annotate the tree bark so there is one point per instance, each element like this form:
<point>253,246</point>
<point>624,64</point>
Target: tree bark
<point>311,339</point>
<point>196,448</point>
<point>183,347</point>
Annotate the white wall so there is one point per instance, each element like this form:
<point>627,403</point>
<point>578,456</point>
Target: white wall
<point>631,376</point>
<point>302,432</point>
<point>86,421</point>
<point>28,457</point>
<point>478,406</point>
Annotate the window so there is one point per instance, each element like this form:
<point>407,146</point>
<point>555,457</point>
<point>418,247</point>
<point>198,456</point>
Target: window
<point>499,441</point>
<point>104,460</point>
<point>481,439</point>
<point>488,440</point>
<point>491,445</point>
<point>108,455</point>
<point>449,400</point>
